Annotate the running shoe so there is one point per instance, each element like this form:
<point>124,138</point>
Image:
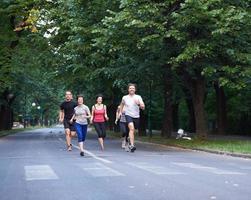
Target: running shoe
<point>132,148</point>
<point>127,147</point>
<point>69,147</point>
<point>82,153</point>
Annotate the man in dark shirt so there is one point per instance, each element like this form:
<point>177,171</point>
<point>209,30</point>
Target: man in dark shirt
<point>65,115</point>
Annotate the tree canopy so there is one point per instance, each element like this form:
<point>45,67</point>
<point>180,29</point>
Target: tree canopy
<point>190,58</point>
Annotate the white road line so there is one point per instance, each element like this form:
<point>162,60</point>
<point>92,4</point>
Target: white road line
<point>155,169</point>
<point>100,170</point>
<point>207,169</point>
<point>91,154</point>
<point>39,172</point>
<point>245,168</point>
<point>227,172</point>
<point>97,158</point>
<point>240,167</point>
<point>16,157</point>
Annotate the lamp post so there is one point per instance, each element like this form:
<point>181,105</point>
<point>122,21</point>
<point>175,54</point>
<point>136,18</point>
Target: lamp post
<point>40,115</point>
<point>33,117</point>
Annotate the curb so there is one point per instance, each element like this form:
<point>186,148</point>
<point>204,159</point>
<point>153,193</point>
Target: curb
<point>240,155</point>
<point>247,156</point>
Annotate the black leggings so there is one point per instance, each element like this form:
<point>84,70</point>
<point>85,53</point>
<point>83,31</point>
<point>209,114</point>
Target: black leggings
<point>100,129</point>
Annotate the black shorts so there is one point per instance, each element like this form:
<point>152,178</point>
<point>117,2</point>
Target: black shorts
<point>135,121</point>
<point>68,125</point>
<point>123,126</point>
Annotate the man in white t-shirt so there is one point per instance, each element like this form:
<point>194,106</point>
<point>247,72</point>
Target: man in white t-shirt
<point>131,104</point>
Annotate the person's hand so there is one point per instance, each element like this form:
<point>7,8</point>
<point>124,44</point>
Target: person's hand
<point>71,121</point>
<point>61,120</point>
<point>116,121</point>
<point>137,102</point>
<point>142,106</point>
<point>119,115</point>
<point>106,118</point>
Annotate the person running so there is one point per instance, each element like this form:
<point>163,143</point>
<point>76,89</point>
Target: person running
<point>81,113</point>
<point>98,118</point>
<point>65,115</point>
<point>123,128</point>
<point>131,104</point>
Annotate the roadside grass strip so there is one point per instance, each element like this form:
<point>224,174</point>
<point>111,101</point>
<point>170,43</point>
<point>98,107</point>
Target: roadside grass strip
<point>223,145</point>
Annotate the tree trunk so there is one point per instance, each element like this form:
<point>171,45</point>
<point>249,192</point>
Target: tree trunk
<point>189,102</point>
<point>6,112</point>
<point>111,112</point>
<point>167,119</point>
<point>191,121</point>
<point>221,109</point>
<point>175,116</point>
<point>6,118</point>
<point>142,124</point>
<point>198,94</point>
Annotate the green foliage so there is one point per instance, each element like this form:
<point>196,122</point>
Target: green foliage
<point>99,46</point>
<point>214,37</point>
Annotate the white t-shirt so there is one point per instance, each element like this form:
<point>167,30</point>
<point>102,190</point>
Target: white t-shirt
<point>131,103</point>
<point>80,114</point>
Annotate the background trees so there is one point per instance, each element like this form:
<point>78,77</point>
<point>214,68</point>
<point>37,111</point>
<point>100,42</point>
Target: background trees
<point>190,59</point>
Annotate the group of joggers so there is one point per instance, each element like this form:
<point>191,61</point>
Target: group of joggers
<point>74,117</point>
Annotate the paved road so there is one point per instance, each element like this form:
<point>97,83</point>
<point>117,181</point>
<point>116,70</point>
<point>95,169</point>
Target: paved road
<point>34,165</point>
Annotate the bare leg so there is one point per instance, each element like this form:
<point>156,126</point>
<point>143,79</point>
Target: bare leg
<point>81,146</point>
<point>73,134</point>
<point>131,133</point>
<point>68,139</point>
<point>101,142</point>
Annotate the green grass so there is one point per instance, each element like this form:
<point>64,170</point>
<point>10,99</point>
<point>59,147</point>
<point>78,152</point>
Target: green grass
<point>222,145</point>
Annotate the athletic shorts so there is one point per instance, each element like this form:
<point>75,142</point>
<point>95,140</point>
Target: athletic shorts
<point>68,125</point>
<point>135,121</point>
<point>123,126</point>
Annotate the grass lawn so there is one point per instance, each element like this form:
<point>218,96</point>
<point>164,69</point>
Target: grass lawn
<point>223,145</point>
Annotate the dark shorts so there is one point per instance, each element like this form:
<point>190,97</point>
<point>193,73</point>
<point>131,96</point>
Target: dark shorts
<point>123,126</point>
<point>135,121</point>
<point>68,125</point>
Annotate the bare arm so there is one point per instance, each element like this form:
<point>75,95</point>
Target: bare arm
<point>142,105</point>
<point>88,114</point>
<point>117,115</point>
<point>92,115</point>
<point>73,116</point>
<point>106,117</point>
<point>61,116</point>
<point>122,105</point>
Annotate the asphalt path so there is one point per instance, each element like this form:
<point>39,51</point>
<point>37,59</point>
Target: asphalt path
<point>35,165</point>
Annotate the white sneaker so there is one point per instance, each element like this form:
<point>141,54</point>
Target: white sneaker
<point>127,147</point>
